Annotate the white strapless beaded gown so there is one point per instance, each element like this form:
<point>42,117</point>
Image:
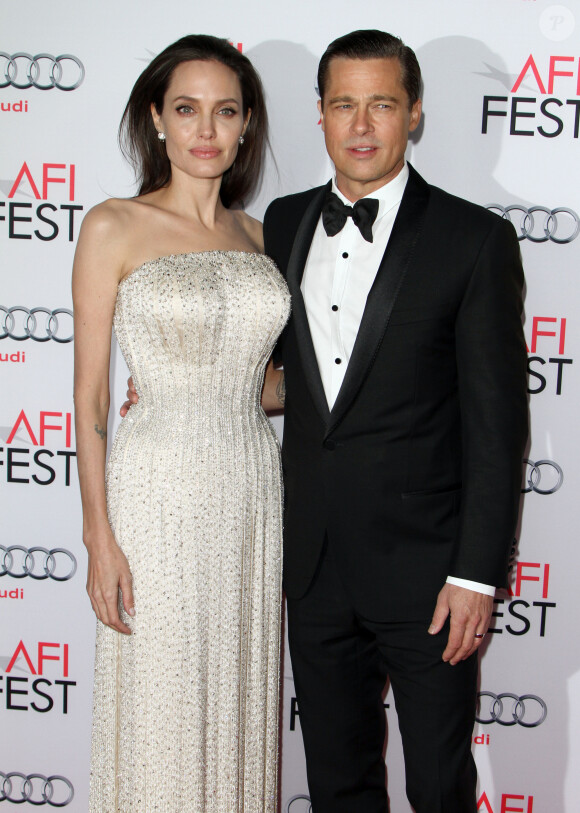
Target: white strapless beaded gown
<point>186,708</point>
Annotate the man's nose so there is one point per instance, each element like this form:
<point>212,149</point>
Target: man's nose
<point>362,121</point>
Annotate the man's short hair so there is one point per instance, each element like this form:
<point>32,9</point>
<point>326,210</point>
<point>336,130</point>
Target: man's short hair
<point>373,44</point>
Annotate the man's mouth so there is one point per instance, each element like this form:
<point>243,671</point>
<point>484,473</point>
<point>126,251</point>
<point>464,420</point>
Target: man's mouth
<point>363,149</point>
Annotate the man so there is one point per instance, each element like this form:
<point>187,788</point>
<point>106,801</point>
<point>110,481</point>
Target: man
<point>405,422</point>
<point>404,427</point>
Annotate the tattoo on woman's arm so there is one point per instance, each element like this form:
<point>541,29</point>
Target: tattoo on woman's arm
<point>102,433</point>
<point>281,390</point>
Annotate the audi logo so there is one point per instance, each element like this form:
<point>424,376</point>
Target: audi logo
<point>39,329</point>
<point>299,804</point>
<point>58,564</point>
<point>36,789</point>
<point>533,476</point>
<point>495,707</point>
<point>43,71</point>
<point>540,230</point>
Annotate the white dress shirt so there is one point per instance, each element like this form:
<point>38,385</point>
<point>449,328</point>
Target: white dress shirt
<point>338,276</point>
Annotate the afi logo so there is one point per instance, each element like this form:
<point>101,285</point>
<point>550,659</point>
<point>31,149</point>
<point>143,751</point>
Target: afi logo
<point>530,70</point>
<point>531,572</point>
<point>46,651</point>
<point>41,179</point>
<point>557,331</point>
<point>49,174</point>
<point>525,804</point>
<point>561,76</point>
<point>38,692</point>
<point>46,463</point>
<point>550,333</point>
<point>64,425</point>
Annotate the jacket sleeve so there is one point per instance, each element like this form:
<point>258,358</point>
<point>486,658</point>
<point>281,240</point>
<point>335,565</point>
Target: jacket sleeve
<point>272,224</point>
<point>491,363</point>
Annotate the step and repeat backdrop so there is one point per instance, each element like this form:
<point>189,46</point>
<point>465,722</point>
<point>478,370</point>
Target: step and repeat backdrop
<point>501,127</point>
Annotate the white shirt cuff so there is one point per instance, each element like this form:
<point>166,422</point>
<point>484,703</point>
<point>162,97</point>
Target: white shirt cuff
<point>486,589</point>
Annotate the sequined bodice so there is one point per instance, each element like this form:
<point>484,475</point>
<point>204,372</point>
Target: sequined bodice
<point>197,329</point>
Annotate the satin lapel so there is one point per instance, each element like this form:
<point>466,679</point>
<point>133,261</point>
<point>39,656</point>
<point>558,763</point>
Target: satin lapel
<point>383,294</point>
<point>294,273</point>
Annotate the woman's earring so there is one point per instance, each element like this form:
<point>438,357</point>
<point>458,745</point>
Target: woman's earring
<point>241,140</point>
<point>161,136</point>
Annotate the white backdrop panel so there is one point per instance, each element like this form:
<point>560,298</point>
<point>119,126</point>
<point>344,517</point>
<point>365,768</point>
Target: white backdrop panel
<point>522,154</point>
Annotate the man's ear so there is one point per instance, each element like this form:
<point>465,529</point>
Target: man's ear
<point>415,116</point>
<point>319,105</point>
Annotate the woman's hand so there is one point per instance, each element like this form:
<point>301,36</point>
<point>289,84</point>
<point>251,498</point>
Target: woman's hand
<point>132,397</point>
<point>108,573</point>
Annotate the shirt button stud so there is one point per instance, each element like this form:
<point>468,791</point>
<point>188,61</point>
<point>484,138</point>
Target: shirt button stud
<point>335,307</point>
<point>338,361</point>
<point>345,255</point>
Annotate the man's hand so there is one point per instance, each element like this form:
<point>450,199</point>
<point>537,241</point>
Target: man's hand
<point>470,614</point>
<point>131,396</point>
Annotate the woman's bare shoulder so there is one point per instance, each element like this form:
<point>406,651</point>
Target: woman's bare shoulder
<point>107,234</point>
<point>112,215</point>
<point>121,224</point>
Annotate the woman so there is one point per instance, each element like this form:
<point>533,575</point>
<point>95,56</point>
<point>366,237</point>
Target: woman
<point>184,541</point>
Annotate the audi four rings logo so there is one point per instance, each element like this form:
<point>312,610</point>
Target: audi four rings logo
<point>515,712</point>
<point>299,804</point>
<point>43,71</point>
<point>560,225</point>
<point>547,469</point>
<point>38,324</point>
<point>36,789</point>
<point>58,564</point>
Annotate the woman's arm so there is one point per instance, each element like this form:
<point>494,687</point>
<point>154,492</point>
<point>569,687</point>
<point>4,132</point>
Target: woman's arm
<point>96,274</point>
<point>274,392</point>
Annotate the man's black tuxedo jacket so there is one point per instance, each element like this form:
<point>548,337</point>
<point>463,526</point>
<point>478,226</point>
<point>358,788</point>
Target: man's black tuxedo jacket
<point>415,473</point>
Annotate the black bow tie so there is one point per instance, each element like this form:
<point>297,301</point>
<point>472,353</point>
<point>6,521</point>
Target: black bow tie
<point>335,213</point>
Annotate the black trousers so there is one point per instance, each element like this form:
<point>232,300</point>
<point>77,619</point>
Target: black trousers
<point>340,663</point>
